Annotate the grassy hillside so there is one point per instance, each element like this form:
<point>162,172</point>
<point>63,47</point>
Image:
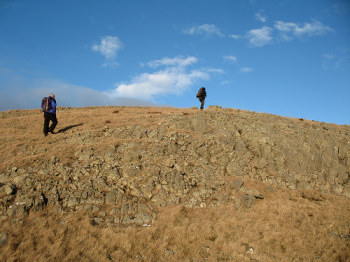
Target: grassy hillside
<point>166,184</point>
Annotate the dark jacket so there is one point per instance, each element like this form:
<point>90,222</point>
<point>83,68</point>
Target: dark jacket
<point>53,105</point>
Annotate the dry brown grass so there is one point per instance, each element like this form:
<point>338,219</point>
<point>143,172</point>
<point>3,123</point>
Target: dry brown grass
<point>22,139</point>
<point>285,226</point>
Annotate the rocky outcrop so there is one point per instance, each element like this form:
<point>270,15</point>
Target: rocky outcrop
<point>121,174</point>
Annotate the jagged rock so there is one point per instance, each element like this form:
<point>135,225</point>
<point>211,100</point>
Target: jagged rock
<point>39,202</point>
<point>346,190</point>
<point>338,189</point>
<point>17,209</point>
<point>97,220</point>
<point>10,189</point>
<point>72,201</point>
<point>247,200</point>
<point>111,197</point>
<point>127,219</point>
<point>253,192</point>
<point>237,184</point>
<point>142,217</point>
<point>234,169</point>
<point>3,239</point>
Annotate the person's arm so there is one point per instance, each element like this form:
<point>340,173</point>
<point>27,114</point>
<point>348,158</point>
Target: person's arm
<point>53,106</point>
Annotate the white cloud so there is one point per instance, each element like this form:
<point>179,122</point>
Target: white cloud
<point>235,36</point>
<point>176,61</point>
<point>289,29</point>
<point>260,17</point>
<point>214,70</point>
<point>230,58</point>
<point>169,81</point>
<point>285,26</point>
<point>261,36</point>
<point>311,29</point>
<point>205,29</point>
<point>246,69</point>
<point>173,79</point>
<point>108,47</point>
<point>285,31</point>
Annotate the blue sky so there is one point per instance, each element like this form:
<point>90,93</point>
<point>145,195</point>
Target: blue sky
<point>289,57</point>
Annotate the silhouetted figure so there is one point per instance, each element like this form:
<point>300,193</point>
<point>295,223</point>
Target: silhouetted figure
<point>201,95</point>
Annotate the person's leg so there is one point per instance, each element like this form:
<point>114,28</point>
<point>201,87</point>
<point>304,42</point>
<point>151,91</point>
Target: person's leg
<point>46,123</point>
<point>53,118</point>
<point>202,103</point>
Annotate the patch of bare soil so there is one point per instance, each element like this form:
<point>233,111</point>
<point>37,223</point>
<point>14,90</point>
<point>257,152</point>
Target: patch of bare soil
<point>165,184</point>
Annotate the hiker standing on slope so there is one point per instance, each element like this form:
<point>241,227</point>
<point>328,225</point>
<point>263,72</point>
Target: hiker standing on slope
<point>48,106</point>
<point>201,95</point>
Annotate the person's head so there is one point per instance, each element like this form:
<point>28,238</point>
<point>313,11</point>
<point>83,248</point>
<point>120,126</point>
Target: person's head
<point>52,95</point>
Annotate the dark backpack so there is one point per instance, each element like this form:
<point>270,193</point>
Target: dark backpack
<point>46,104</point>
<point>201,92</point>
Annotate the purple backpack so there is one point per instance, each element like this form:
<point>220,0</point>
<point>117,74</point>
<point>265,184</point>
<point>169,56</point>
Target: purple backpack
<point>46,104</point>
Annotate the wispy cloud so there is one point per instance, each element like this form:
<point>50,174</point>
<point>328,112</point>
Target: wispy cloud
<point>175,78</point>
<point>234,59</point>
<point>332,62</point>
<point>289,30</point>
<point>286,31</point>
<point>246,69</point>
<point>213,70</point>
<point>235,36</point>
<point>230,58</point>
<point>176,61</point>
<point>285,26</point>
<point>328,56</point>
<point>108,47</point>
<point>205,29</point>
<point>261,36</point>
<point>261,17</point>
<point>311,29</point>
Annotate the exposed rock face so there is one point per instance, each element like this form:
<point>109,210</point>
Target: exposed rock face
<point>120,173</point>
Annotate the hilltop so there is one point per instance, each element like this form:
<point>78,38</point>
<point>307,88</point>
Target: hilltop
<point>167,184</point>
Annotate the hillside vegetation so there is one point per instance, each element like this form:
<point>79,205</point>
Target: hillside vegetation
<point>167,184</point>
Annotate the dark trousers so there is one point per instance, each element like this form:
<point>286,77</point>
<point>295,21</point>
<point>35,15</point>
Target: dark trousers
<point>201,99</point>
<point>49,117</point>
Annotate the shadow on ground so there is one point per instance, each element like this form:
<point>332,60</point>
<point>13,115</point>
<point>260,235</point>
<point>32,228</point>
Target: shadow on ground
<point>63,130</point>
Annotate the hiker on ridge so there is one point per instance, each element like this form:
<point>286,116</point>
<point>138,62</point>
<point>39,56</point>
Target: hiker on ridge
<point>201,95</point>
<point>48,106</point>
